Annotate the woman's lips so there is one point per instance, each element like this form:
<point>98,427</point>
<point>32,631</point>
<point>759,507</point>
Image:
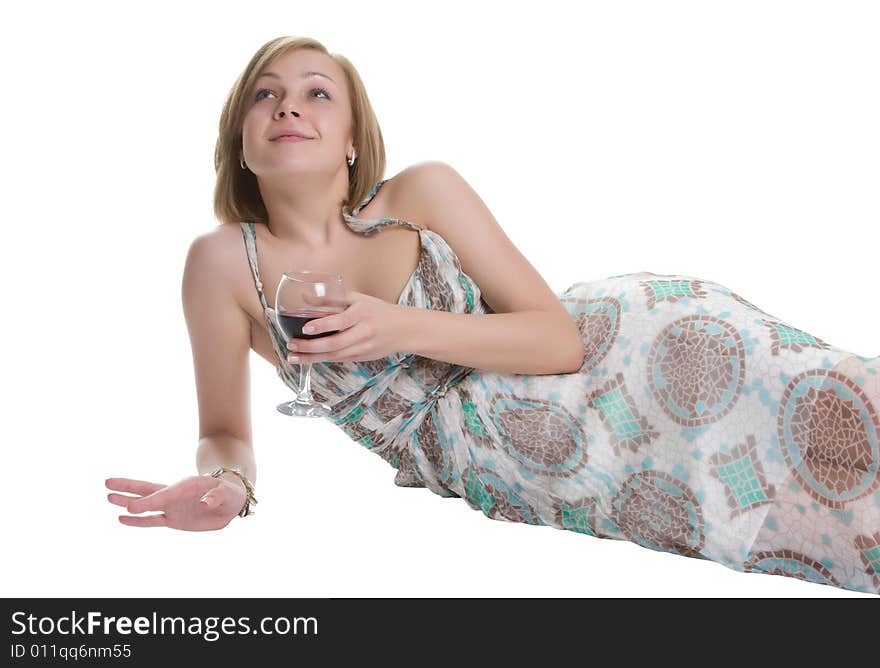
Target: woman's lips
<point>291,138</point>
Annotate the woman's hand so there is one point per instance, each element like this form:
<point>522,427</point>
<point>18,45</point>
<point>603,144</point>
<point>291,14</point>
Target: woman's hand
<point>197,503</point>
<point>369,329</point>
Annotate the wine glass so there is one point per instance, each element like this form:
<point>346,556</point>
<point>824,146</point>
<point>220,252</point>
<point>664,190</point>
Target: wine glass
<point>305,295</point>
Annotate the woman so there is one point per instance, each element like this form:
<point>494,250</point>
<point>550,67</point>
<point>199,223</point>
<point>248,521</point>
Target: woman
<point>665,410</point>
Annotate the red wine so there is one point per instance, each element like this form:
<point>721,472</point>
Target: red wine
<point>292,322</point>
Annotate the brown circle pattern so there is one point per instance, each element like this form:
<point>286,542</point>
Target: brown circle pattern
<point>696,369</point>
<point>828,432</point>
<point>541,435</point>
<point>660,512</point>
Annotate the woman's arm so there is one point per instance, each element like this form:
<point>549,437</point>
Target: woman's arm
<point>529,331</point>
<point>220,336</point>
<point>528,342</point>
<point>219,333</point>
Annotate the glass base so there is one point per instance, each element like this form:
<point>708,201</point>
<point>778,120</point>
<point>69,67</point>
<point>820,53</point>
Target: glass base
<point>303,409</point>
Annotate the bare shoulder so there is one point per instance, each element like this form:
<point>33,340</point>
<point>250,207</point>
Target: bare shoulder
<point>221,252</point>
<point>413,191</point>
<point>215,244</point>
<point>224,238</point>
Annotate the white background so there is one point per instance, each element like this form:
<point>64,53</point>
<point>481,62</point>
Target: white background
<point>736,142</point>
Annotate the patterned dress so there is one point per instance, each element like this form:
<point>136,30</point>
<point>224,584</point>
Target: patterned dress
<point>698,424</point>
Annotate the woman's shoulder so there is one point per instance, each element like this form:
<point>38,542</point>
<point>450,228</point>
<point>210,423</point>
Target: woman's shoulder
<point>222,254</point>
<point>219,237</point>
<point>409,191</point>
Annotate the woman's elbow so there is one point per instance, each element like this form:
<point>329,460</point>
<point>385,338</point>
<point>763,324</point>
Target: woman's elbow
<point>578,362</point>
<point>575,358</point>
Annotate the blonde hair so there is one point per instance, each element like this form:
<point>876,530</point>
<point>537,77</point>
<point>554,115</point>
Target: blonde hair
<point>236,194</point>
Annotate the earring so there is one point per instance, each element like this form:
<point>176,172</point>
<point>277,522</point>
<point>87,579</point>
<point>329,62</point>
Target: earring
<point>351,159</point>
<point>241,162</point>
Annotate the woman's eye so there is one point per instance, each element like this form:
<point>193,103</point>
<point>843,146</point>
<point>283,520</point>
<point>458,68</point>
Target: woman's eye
<point>260,92</point>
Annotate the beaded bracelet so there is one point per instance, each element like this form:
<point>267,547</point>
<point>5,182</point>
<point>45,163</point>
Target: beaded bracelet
<point>251,499</point>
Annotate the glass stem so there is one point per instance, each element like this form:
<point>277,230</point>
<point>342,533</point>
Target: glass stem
<point>305,376</point>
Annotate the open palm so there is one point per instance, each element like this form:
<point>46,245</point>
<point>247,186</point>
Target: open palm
<point>180,502</point>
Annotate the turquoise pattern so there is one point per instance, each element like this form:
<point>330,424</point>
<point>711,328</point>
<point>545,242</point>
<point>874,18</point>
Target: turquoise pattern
<point>697,424</point>
<point>740,478</point>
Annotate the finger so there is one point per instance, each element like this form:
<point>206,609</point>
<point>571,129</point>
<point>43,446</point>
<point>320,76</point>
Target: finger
<point>120,499</point>
<point>210,500</point>
<point>329,323</point>
<point>332,322</point>
<point>331,344</point>
<point>149,521</point>
<point>135,486</point>
<point>154,501</point>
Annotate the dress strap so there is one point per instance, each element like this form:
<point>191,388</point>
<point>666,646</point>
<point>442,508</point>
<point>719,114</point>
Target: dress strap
<point>250,242</point>
<point>369,226</point>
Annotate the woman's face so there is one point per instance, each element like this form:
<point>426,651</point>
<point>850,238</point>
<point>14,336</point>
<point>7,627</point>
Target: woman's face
<point>314,105</point>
